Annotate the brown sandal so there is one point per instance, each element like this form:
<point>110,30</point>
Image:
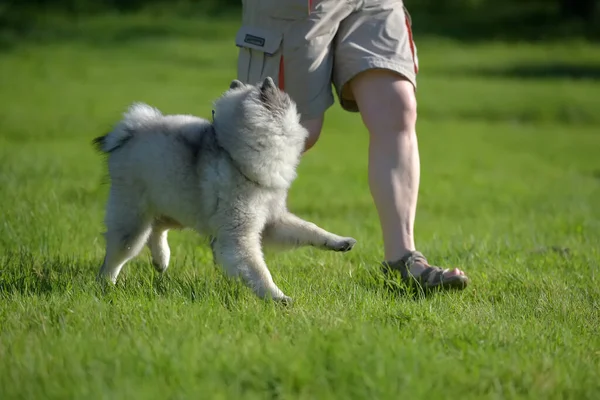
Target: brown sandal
<point>431,277</point>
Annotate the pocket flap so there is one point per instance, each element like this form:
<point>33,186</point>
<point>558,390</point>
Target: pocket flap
<point>258,39</point>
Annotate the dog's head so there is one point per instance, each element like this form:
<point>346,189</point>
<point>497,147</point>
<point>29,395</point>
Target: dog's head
<point>259,126</point>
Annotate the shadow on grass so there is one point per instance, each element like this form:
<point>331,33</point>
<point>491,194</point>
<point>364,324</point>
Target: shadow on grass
<point>387,284</point>
<point>550,70</point>
<point>104,25</point>
<point>110,29</point>
<point>24,273</point>
<point>27,274</point>
<point>535,21</point>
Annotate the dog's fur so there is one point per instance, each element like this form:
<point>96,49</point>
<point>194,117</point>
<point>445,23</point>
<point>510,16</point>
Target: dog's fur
<point>227,179</point>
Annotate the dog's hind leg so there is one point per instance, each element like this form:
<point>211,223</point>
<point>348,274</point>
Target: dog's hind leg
<point>213,244</point>
<point>240,254</point>
<point>292,231</point>
<point>127,232</point>
<point>158,244</point>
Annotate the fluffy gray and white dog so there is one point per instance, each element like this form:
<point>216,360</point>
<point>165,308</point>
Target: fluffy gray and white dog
<point>227,179</point>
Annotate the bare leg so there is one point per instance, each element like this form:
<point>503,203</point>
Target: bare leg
<point>314,131</point>
<point>388,108</point>
<point>293,231</point>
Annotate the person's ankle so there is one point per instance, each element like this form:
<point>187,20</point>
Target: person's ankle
<point>398,253</point>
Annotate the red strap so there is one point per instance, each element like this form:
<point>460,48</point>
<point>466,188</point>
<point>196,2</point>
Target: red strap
<point>281,74</point>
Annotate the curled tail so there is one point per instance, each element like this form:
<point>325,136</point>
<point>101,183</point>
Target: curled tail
<point>136,116</point>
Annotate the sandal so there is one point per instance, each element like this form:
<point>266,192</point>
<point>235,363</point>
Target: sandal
<point>431,277</point>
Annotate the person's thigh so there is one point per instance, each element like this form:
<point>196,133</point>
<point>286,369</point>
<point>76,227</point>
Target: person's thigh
<point>386,101</point>
<point>376,38</point>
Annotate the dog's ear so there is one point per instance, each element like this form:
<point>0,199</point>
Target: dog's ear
<point>268,84</point>
<point>235,84</point>
<point>268,91</point>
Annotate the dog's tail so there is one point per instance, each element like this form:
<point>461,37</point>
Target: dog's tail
<point>136,116</point>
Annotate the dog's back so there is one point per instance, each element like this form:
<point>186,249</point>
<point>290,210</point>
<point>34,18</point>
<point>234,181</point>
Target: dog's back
<point>142,119</point>
<point>153,159</point>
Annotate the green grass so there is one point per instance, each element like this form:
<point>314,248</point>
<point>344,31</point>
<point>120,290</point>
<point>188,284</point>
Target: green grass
<point>510,192</point>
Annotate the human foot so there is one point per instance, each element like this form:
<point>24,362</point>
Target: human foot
<point>413,267</point>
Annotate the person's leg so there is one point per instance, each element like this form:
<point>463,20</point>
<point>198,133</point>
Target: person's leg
<point>388,109</point>
<point>390,117</point>
<point>314,126</point>
<point>375,73</point>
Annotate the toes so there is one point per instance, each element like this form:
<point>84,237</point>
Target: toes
<point>159,267</point>
<point>350,242</point>
<point>345,245</point>
<point>453,272</point>
<point>286,301</point>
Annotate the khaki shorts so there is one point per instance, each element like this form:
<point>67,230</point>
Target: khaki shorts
<point>308,45</point>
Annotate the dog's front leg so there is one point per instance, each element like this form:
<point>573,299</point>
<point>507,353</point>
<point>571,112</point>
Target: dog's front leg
<point>292,231</point>
<point>240,254</point>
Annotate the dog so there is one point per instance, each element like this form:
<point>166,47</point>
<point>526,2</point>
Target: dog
<point>227,179</point>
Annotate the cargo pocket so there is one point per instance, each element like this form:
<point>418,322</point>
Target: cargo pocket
<point>260,54</point>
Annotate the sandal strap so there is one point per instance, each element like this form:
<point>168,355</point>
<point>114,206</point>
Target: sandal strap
<point>404,264</point>
<point>398,266</point>
<point>413,257</point>
<point>432,276</point>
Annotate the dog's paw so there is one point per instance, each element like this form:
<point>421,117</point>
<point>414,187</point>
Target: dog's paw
<point>160,267</point>
<point>285,301</point>
<point>343,244</point>
<point>281,299</point>
<point>104,278</point>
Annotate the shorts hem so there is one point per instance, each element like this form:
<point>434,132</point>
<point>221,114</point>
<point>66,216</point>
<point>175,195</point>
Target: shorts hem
<point>317,108</point>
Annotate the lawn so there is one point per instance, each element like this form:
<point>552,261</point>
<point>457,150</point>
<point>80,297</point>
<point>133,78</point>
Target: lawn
<point>510,149</point>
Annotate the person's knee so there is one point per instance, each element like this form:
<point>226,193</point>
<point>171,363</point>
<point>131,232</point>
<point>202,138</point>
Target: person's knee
<point>406,101</point>
<point>313,126</point>
<point>400,115</point>
<point>386,101</point>
<point>402,122</point>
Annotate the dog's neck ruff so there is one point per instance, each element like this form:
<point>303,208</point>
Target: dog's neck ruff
<point>228,154</point>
